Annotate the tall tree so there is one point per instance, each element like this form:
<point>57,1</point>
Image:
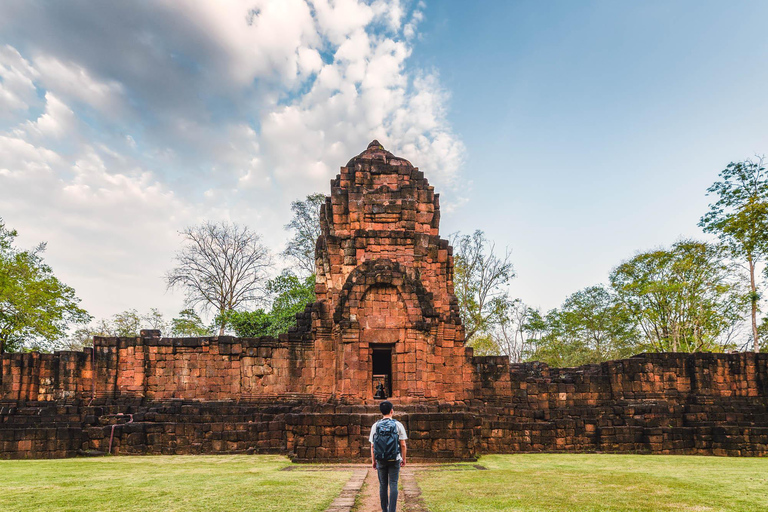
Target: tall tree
<point>740,219</point>
<point>305,225</point>
<point>221,267</point>
<point>35,307</point>
<point>125,324</point>
<point>684,299</point>
<point>480,279</point>
<point>154,319</point>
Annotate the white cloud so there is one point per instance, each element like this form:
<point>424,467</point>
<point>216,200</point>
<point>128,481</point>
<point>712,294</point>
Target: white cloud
<point>17,77</point>
<point>245,39</point>
<point>161,114</point>
<point>310,60</point>
<point>57,120</point>
<point>73,81</point>
<point>110,233</point>
<point>19,158</point>
<point>338,19</point>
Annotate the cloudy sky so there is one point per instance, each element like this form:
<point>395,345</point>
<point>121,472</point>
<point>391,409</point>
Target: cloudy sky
<point>575,133</point>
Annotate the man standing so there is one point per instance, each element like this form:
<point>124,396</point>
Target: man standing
<point>388,454</point>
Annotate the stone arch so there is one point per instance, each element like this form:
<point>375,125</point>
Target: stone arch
<point>381,307</point>
<point>418,302</point>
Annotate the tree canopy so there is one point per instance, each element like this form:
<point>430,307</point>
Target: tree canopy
<point>590,327</point>
<point>188,323</point>
<point>291,296</point>
<point>685,299</point>
<point>35,307</point>
<point>126,324</point>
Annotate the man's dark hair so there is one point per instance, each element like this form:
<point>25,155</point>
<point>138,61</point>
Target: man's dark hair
<point>385,407</point>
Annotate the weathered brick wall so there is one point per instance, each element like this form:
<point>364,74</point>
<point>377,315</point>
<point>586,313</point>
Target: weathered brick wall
<point>162,368</point>
<point>343,435</point>
<point>40,430</point>
<point>653,403</point>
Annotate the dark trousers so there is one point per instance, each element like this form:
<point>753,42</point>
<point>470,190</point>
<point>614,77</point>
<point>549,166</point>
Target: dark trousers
<point>389,472</point>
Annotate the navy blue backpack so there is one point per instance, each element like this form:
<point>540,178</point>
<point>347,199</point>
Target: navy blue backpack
<point>386,441</point>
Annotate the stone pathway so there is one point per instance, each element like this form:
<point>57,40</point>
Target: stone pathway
<point>409,499</point>
<point>346,500</point>
<point>369,497</point>
<point>361,492</point>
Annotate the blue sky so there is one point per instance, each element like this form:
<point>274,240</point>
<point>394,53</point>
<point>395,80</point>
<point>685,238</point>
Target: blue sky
<point>592,129</point>
<point>575,133</point>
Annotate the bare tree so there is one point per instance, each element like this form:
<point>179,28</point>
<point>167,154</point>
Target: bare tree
<point>480,279</point>
<point>510,329</point>
<point>221,266</point>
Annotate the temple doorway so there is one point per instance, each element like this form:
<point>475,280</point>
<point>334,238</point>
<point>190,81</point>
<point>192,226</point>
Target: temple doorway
<point>382,371</point>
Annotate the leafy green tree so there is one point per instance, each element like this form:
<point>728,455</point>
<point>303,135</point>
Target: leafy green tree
<point>291,296</point>
<point>602,323</point>
<point>129,323</point>
<point>555,347</point>
<point>683,299</point>
<point>479,282</point>
<point>763,332</point>
<point>126,324</point>
<point>154,319</point>
<point>35,307</point>
<point>306,229</point>
<point>535,328</point>
<point>188,324</point>
<point>221,267</point>
<point>590,327</point>
<point>740,219</point>
<point>249,324</point>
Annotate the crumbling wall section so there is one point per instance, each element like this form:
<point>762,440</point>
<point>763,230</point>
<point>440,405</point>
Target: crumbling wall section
<point>223,368</point>
<point>651,403</point>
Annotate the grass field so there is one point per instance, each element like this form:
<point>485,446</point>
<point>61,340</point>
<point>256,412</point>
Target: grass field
<point>589,482</point>
<point>179,483</point>
<point>525,483</point>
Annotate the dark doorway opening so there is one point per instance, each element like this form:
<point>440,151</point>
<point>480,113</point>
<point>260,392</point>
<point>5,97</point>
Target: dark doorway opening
<point>382,370</point>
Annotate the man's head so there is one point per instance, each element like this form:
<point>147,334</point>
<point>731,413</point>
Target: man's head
<point>385,407</point>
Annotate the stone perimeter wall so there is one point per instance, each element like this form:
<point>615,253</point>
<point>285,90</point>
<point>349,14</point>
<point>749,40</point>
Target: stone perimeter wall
<point>652,403</point>
<point>223,368</point>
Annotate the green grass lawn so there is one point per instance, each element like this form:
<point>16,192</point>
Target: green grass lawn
<point>596,482</point>
<point>234,483</point>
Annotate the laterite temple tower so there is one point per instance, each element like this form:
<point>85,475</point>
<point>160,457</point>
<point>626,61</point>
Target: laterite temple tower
<point>386,318</point>
<point>384,286</point>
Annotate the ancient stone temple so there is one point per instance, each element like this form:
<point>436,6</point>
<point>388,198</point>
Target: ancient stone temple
<point>385,323</point>
<point>387,313</point>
